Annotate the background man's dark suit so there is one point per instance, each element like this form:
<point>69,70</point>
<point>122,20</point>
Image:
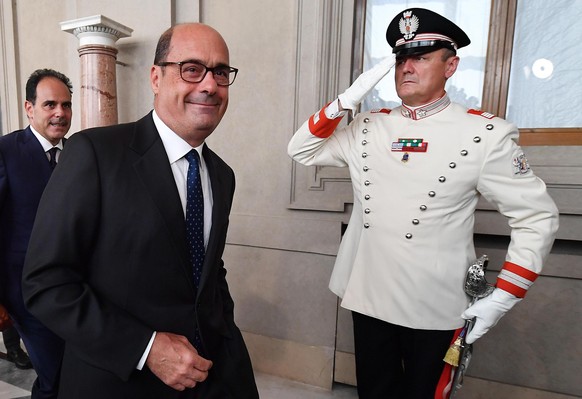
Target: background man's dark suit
<point>24,173</point>
<point>117,209</point>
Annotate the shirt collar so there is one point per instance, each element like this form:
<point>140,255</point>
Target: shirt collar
<point>424,111</point>
<point>46,145</point>
<point>175,146</point>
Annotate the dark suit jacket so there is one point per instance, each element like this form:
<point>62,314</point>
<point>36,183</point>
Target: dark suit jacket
<point>24,173</point>
<point>110,266</point>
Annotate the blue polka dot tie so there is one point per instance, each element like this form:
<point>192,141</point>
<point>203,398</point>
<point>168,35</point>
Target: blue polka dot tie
<point>195,225</point>
<point>195,216</point>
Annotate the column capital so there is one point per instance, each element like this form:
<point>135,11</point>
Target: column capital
<point>97,29</point>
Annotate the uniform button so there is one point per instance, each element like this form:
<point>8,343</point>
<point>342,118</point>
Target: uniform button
<point>452,165</point>
<point>365,131</point>
<point>415,221</point>
<point>408,236</point>
<point>367,197</point>
<point>423,208</point>
<point>489,127</point>
<point>364,142</point>
<point>366,225</point>
<point>366,169</point>
<point>364,154</point>
<point>431,193</point>
<point>366,120</point>
<point>442,179</point>
<point>477,139</point>
<point>464,153</point>
<point>367,183</point>
<point>367,210</point>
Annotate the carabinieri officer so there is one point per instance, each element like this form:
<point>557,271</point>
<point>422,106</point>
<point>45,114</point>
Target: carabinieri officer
<point>417,173</point>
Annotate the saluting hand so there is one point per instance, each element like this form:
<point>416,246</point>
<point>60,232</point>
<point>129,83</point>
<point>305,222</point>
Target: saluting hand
<point>176,362</point>
<point>353,96</point>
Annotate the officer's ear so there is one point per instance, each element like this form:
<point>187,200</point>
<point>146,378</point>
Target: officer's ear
<point>451,66</point>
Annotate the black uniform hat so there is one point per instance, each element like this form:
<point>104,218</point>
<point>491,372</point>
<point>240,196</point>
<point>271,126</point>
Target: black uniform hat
<point>419,31</point>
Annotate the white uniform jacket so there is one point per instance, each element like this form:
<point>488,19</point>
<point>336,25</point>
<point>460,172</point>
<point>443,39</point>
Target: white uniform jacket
<point>417,175</point>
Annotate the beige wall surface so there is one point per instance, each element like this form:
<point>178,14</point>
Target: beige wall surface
<point>41,44</point>
<point>285,225</point>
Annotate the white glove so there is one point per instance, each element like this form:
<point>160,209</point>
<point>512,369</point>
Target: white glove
<point>487,312</point>
<point>353,96</point>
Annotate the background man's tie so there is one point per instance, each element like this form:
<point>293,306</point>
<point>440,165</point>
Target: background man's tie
<point>195,223</point>
<point>53,157</point>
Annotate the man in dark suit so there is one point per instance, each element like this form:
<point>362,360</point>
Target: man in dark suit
<point>111,268</point>
<point>27,159</point>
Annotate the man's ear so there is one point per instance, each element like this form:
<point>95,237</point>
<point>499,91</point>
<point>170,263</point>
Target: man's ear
<point>452,64</point>
<point>28,106</point>
<point>155,78</point>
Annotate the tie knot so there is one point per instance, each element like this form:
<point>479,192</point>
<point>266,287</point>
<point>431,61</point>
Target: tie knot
<point>193,157</point>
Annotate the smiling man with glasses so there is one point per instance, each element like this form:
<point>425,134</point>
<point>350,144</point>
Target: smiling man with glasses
<point>135,281</point>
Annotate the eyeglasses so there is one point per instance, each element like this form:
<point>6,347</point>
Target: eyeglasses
<point>194,72</point>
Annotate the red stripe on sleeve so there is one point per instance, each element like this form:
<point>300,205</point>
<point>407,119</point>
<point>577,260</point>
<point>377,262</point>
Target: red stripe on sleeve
<point>321,126</point>
<point>511,288</point>
<point>520,271</point>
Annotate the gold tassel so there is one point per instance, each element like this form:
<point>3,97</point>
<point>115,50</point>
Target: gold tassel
<point>454,353</point>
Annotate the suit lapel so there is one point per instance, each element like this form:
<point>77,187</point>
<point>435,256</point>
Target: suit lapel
<point>37,160</point>
<point>153,169</point>
<point>219,213</point>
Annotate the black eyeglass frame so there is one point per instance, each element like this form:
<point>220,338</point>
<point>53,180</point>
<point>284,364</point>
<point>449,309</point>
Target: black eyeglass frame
<point>206,70</point>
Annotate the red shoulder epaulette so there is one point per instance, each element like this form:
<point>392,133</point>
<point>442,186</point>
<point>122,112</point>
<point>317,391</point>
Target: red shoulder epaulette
<point>481,113</point>
<point>382,110</point>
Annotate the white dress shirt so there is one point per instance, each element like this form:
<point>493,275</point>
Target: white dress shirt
<point>46,145</point>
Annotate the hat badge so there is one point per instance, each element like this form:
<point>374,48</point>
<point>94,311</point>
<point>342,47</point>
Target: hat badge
<point>408,25</point>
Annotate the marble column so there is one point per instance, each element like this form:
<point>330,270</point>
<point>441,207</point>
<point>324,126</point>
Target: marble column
<point>97,36</point>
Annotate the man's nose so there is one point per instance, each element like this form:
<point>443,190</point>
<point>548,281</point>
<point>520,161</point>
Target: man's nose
<point>60,111</point>
<point>407,65</point>
<point>208,83</point>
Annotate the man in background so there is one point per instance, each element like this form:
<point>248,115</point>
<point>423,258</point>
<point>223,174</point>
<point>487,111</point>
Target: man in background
<point>27,160</point>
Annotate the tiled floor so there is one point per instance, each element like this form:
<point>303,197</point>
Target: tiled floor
<point>15,383</point>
